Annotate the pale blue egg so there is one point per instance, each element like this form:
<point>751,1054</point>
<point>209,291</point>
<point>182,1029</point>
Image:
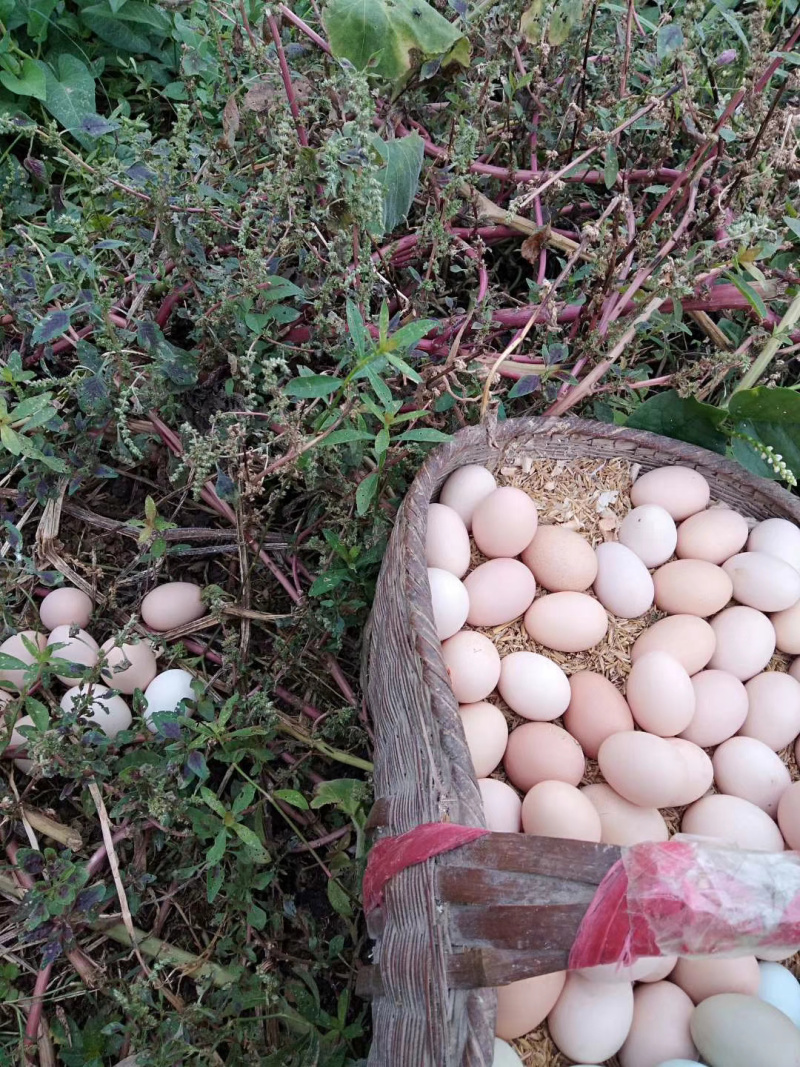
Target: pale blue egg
<point>504,1055</point>
<point>780,988</point>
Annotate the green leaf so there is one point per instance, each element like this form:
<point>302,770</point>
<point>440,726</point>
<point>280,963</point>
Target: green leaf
<point>217,850</point>
<point>365,493</point>
<point>733,22</point>
<point>244,799</point>
<point>668,39</point>
<point>30,82</point>
<point>793,224</point>
<point>39,713</point>
<point>339,900</point>
<point>344,436</point>
<point>347,794</point>
<point>611,168</point>
<point>399,177</point>
<point>312,385</point>
<point>683,418</point>
<point>53,325</point>
<point>11,663</point>
<point>772,416</point>
<point>252,843</point>
<point>70,95</point>
<point>381,442</point>
<point>112,28</point>
<point>11,440</point>
<point>355,324</point>
<point>293,797</point>
<point>411,334</point>
<point>215,876</point>
<point>392,37</point>
<point>30,406</point>
<point>748,292</point>
<point>212,801</point>
<point>566,16</point>
<point>382,390</point>
<point>144,14</point>
<point>425,436</point>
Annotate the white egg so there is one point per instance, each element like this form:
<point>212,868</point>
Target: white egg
<point>165,693</point>
<point>450,601</point>
<point>465,489</point>
<point>504,1055</point>
<point>591,1019</point>
<point>777,537</point>
<point>99,705</point>
<point>780,988</point>
<point>80,652</point>
<point>650,532</point>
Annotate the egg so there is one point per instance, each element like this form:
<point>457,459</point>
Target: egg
<point>660,694</point>
<point>504,1055</point>
<point>10,677</point>
<point>775,955</point>
<point>128,666</point>
<point>777,537</point>
<point>779,987</point>
<point>734,820</point>
<point>679,490</point>
<point>473,665</point>
<point>166,694</point>
<point>660,1026</point>
<point>645,969</point>
<point>566,622</point>
<point>502,807</point>
<point>746,768</point>
<point>486,731</point>
<point>623,584</point>
<point>65,607</point>
<point>650,532</point>
<point>173,604</point>
<point>787,629</point>
<point>533,686</point>
<point>80,652</point>
<point>522,1005</point>
<point>596,710</point>
<point>540,751</point>
<point>654,772</point>
<point>446,541</point>
<point>687,638</point>
<point>763,582</point>
<point>556,809</point>
<point>703,978</point>
<point>732,1030</point>
<point>499,591</point>
<point>789,815</point>
<point>773,714</point>
<point>560,559</point>
<point>720,708</point>
<point>692,587</point>
<point>624,823</point>
<point>99,705</point>
<point>449,601</point>
<point>465,489</point>
<point>714,535</point>
<point>504,522</point>
<point>591,1020</point>
<point>745,642</point>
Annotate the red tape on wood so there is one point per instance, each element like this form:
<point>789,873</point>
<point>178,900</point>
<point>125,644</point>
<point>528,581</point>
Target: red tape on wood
<point>394,854</point>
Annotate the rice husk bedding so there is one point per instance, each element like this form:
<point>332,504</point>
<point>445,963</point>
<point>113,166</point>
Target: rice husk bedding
<point>592,497</point>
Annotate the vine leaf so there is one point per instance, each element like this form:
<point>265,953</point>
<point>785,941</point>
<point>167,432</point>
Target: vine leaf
<point>399,177</point>
<point>683,418</point>
<point>392,38</point>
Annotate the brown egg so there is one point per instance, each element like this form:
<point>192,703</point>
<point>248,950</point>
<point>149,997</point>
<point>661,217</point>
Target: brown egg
<point>660,694</point>
<point>566,622</point>
<point>65,607</point>
<point>473,665</point>
<point>174,604</point>
<point>734,820</point>
<point>623,823</point>
<point>692,587</point>
<point>714,535</point>
<point>80,651</point>
<point>720,708</point>
<point>556,809</point>
<point>701,978</point>
<point>129,666</point>
<point>504,522</point>
<point>14,646</point>
<point>688,639</point>
<point>561,560</point>
<point>679,490</point>
<point>540,751</point>
<point>522,1005</point>
<point>499,591</point>
<point>787,629</point>
<point>596,710</point>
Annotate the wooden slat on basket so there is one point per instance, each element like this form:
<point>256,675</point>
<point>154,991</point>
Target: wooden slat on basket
<point>426,1012</point>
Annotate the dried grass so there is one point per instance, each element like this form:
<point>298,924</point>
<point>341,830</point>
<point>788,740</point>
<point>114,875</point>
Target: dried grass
<point>591,497</point>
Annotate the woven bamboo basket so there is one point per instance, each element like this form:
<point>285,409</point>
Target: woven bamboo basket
<point>435,960</point>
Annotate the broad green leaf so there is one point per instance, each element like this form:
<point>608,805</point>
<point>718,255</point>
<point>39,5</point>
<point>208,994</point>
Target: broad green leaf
<point>566,16</point>
<point>70,95</point>
<point>392,37</point>
<point>30,82</point>
<point>611,168</point>
<point>113,29</point>
<point>748,292</point>
<point>344,436</point>
<point>381,442</point>
<point>732,21</point>
<point>365,493</point>
<point>424,435</point>
<point>668,39</point>
<point>312,385</point>
<point>530,383</point>
<point>144,14</point>
<point>793,224</point>
<point>404,368</point>
<point>339,900</point>
<point>11,440</point>
<point>399,177</point>
<point>213,801</point>
<point>347,794</point>
<point>30,406</point>
<point>293,797</point>
<point>244,799</point>
<point>39,18</point>
<point>11,663</point>
<point>217,850</point>
<point>39,712</point>
<point>252,843</point>
<point>411,334</point>
<point>683,418</point>
<point>772,416</point>
<point>53,325</point>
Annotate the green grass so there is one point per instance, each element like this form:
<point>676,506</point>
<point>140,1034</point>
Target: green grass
<point>246,286</point>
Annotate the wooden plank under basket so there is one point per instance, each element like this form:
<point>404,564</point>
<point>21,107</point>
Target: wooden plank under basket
<point>504,906</point>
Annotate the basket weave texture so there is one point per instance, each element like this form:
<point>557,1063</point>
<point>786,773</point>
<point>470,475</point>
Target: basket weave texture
<point>423,771</point>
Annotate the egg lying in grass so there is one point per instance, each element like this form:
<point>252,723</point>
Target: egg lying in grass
<point>79,653</point>
<point>65,607</point>
<point>166,694</point>
<point>129,666</point>
<point>97,704</point>
<point>11,678</point>
<point>173,604</point>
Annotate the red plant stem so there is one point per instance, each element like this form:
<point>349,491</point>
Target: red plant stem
<point>304,28</point>
<point>296,702</point>
<point>35,1013</point>
<point>319,842</point>
<point>99,856</point>
<point>302,136</point>
<point>169,303</point>
<point>202,650</point>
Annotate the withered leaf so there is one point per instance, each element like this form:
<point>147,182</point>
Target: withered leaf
<point>230,121</point>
